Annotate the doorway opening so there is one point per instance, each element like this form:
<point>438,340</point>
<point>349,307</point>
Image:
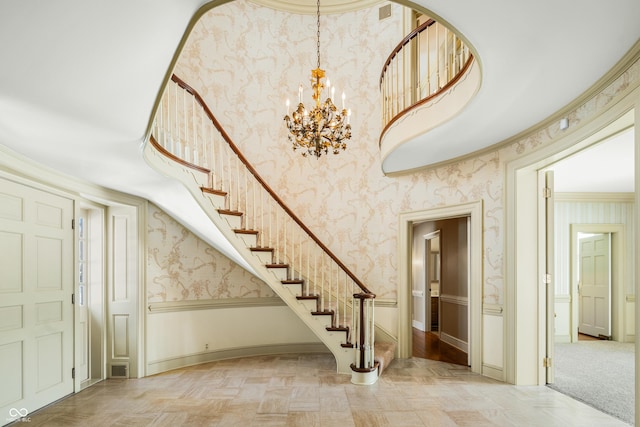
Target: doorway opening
<point>89,309</point>
<point>452,305</point>
<point>440,290</point>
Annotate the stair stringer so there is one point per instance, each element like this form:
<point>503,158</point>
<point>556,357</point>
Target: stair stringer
<point>193,181</point>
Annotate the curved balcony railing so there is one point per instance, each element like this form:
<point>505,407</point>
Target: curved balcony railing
<point>425,63</point>
<point>186,131</point>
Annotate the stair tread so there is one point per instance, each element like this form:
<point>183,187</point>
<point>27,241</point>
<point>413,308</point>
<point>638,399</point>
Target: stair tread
<point>277,265</point>
<point>292,282</point>
<point>260,249</point>
<point>210,190</point>
<point>384,353</point>
<point>320,313</point>
<point>308,297</point>
<point>230,212</point>
<point>244,231</point>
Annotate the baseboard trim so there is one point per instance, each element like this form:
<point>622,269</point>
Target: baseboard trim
<point>562,338</point>
<point>457,343</point>
<point>493,372</point>
<point>158,366</point>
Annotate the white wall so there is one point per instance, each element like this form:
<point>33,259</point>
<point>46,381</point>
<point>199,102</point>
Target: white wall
<point>591,209</point>
<point>184,335</point>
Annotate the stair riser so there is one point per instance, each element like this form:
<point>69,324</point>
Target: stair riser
<point>264,257</point>
<point>279,273</point>
<point>309,304</point>
<point>217,201</point>
<point>234,221</point>
<point>250,240</point>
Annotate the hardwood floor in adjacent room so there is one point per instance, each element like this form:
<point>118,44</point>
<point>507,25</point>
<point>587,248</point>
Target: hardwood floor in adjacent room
<point>427,345</point>
<point>304,390</point>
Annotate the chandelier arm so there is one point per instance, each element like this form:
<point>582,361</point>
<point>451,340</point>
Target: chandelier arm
<point>324,127</point>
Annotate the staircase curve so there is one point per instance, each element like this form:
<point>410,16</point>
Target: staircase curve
<point>187,143</point>
<point>428,78</point>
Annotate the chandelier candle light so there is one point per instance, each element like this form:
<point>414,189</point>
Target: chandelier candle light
<point>323,128</point>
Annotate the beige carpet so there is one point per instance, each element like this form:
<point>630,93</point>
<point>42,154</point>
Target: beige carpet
<point>598,373</point>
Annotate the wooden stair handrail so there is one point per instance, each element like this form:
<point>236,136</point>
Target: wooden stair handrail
<point>427,99</point>
<point>175,158</point>
<point>262,182</point>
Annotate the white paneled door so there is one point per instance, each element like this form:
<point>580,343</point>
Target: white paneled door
<point>36,286</point>
<point>595,285</point>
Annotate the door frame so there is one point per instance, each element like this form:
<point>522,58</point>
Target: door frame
<point>617,301</point>
<point>474,210</point>
<point>96,305</point>
<point>525,322</point>
<point>428,325</point>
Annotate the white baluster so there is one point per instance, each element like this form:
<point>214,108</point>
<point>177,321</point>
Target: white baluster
<point>322,282</point>
<point>308,267</point>
<point>315,270</point>
<point>277,233</point>
<point>344,299</point>
<point>253,194</point>
<point>229,181</point>
<point>262,230</point>
<point>330,282</point>
<point>300,240</point>
<point>246,195</point>
<point>176,135</point>
<point>270,209</point>
<point>293,250</point>
<point>237,165</point>
<point>284,220</point>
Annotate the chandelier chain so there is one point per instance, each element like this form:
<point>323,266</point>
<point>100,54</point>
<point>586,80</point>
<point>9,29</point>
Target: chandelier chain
<point>318,42</point>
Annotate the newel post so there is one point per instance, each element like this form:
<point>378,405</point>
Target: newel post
<point>365,368</point>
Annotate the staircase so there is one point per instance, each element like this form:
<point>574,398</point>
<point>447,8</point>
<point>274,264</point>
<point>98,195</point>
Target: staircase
<point>188,144</point>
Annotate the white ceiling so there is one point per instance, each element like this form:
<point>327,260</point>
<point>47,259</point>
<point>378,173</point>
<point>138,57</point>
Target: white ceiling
<point>79,78</point>
<point>602,168</point>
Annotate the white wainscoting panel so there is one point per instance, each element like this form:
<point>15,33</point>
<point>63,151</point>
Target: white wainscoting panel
<point>493,342</point>
<point>562,305</point>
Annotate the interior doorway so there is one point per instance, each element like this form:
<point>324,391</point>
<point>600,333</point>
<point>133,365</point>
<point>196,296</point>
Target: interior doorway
<point>473,211</point>
<point>440,290</point>
<point>594,284</point>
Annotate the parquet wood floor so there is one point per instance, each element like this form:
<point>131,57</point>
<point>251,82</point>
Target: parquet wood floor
<point>304,390</point>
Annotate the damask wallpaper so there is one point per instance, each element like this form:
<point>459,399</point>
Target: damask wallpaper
<point>181,267</point>
<point>245,60</point>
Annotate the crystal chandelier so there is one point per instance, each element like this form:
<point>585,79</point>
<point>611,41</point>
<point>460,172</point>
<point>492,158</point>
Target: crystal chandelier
<point>324,128</point>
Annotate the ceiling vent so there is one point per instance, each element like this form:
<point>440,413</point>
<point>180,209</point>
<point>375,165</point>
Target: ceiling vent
<point>384,12</point>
